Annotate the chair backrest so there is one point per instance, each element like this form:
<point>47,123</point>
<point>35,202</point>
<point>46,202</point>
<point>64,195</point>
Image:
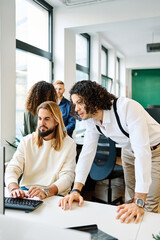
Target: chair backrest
<point>153,106</point>
<point>103,144</point>
<point>104,160</point>
<point>155,113</point>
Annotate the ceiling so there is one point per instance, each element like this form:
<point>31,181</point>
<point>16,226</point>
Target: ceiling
<point>72,3</point>
<point>129,37</point>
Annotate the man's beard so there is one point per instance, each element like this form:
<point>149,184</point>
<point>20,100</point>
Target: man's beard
<point>46,133</point>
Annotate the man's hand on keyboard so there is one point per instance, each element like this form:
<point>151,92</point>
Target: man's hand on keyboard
<point>36,192</point>
<point>18,193</point>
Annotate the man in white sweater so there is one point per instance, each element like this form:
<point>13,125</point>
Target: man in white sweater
<point>45,158</point>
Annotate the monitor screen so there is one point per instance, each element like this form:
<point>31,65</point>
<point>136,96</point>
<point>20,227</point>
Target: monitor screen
<point>2,162</point>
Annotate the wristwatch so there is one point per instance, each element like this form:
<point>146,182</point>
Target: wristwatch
<point>139,202</point>
<point>46,191</point>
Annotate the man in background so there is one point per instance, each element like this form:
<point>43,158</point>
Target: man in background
<point>64,105</point>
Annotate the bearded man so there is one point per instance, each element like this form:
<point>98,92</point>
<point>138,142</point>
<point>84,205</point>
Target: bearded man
<point>45,158</point>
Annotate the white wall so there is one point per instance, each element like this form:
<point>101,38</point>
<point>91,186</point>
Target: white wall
<point>7,73</point>
<point>129,82</point>
<point>69,60</point>
<point>123,78</point>
<point>144,62</point>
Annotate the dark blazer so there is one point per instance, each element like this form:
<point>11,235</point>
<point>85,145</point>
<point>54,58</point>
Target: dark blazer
<point>69,121</point>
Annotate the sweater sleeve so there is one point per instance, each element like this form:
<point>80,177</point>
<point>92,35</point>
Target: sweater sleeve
<point>15,166</point>
<point>67,172</point>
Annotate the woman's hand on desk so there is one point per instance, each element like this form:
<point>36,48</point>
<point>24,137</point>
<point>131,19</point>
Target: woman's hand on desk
<point>129,212</point>
<point>68,199</point>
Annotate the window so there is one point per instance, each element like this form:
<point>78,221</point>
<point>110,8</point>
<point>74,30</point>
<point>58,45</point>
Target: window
<point>82,57</point>
<point>34,51</point>
<point>82,66</point>
<point>104,61</point>
<point>118,77</point>
<point>106,81</point>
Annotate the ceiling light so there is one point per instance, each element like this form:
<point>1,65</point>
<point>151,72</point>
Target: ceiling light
<point>81,2</point>
<point>153,47</point>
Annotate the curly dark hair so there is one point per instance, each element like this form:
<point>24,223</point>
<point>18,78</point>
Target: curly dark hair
<point>95,97</point>
<point>40,92</point>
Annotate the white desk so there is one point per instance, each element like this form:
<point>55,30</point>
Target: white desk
<point>149,225</point>
<point>53,217</point>
<point>91,213</point>
<point>15,228</point>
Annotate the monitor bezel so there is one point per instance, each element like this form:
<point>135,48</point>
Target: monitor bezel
<point>2,169</point>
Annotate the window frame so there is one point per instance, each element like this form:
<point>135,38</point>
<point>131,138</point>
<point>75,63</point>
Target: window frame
<point>118,80</point>
<point>85,70</point>
<point>108,81</point>
<point>39,52</point>
<point>105,80</point>
<point>106,53</point>
<point>20,45</point>
<point>81,67</point>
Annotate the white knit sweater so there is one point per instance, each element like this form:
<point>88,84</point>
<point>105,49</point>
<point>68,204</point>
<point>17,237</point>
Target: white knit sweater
<point>43,166</point>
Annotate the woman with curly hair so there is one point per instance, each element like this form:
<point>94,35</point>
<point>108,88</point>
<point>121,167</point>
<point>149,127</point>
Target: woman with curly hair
<point>126,122</point>
<point>40,92</point>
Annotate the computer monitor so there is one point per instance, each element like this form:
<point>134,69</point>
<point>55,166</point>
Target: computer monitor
<point>2,162</point>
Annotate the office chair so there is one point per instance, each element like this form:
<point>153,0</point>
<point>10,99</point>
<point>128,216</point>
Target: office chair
<point>154,112</point>
<point>105,167</point>
<point>153,106</point>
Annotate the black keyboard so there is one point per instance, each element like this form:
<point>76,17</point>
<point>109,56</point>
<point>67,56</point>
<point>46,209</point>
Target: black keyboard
<point>22,203</point>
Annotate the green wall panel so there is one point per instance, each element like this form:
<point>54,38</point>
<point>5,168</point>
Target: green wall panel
<point>146,86</point>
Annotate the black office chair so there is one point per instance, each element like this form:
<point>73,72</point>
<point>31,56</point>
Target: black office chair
<point>153,106</point>
<point>155,113</point>
<point>105,167</point>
